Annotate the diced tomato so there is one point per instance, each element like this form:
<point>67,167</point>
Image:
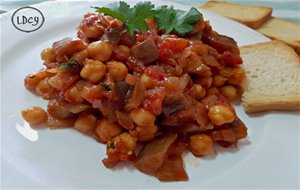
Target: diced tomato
<point>174,44</point>
<point>108,95</point>
<point>177,44</point>
<point>155,73</point>
<point>153,100</point>
<point>164,52</point>
<point>118,54</point>
<point>231,59</point>
<point>142,36</point>
<point>92,92</point>
<point>89,27</point>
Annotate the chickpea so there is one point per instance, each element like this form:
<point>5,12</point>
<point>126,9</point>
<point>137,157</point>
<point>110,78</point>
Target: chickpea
<point>32,80</point>
<point>48,55</point>
<point>206,82</point>
<point>45,90</point>
<point>117,70</point>
<point>201,144</point>
<point>126,139</point>
<point>142,117</point>
<point>146,133</point>
<point>197,91</point>
<point>99,50</point>
<point>200,49</point>
<point>237,77</point>
<point>124,49</point>
<point>120,148</point>
<point>90,92</point>
<point>220,115</point>
<point>85,123</point>
<point>226,72</point>
<point>42,87</point>
<point>213,91</point>
<point>229,92</point>
<point>148,81</point>
<point>131,79</point>
<point>219,80</point>
<point>106,131</point>
<point>75,92</point>
<point>93,70</point>
<point>35,115</point>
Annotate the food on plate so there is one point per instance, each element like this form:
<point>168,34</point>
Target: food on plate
<point>283,30</point>
<point>273,80</point>
<point>156,78</point>
<point>252,16</point>
<point>35,115</point>
<point>259,18</point>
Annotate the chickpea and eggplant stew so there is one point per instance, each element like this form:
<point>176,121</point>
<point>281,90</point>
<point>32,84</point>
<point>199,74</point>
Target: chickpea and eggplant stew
<point>165,87</point>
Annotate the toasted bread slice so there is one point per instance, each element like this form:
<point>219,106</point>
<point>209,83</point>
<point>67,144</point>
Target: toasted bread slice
<point>283,30</point>
<point>272,77</point>
<point>252,16</point>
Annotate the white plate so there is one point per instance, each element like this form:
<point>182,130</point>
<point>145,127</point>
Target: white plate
<point>268,158</point>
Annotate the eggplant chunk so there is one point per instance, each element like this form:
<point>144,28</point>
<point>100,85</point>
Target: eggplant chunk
<point>172,169</point>
<point>152,157</point>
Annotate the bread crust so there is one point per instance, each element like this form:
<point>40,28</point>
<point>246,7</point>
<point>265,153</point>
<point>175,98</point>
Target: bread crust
<point>254,100</point>
<point>275,106</point>
<point>276,28</point>
<point>257,23</point>
<point>264,12</point>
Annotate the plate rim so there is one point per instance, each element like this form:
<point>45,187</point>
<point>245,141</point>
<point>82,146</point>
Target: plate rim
<point>57,3</point>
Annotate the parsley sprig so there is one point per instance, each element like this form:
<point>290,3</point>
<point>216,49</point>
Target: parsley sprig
<point>170,19</point>
<point>167,18</point>
<point>133,17</point>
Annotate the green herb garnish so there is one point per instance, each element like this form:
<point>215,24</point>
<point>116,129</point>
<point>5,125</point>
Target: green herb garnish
<point>167,18</point>
<point>105,86</point>
<point>70,64</point>
<point>111,145</point>
<point>170,19</point>
<point>133,17</point>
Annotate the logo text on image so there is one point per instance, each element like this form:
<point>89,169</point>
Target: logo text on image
<point>27,19</point>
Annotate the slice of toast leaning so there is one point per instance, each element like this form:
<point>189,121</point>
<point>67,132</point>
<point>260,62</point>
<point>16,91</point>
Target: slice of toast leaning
<point>252,16</point>
<point>272,77</point>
